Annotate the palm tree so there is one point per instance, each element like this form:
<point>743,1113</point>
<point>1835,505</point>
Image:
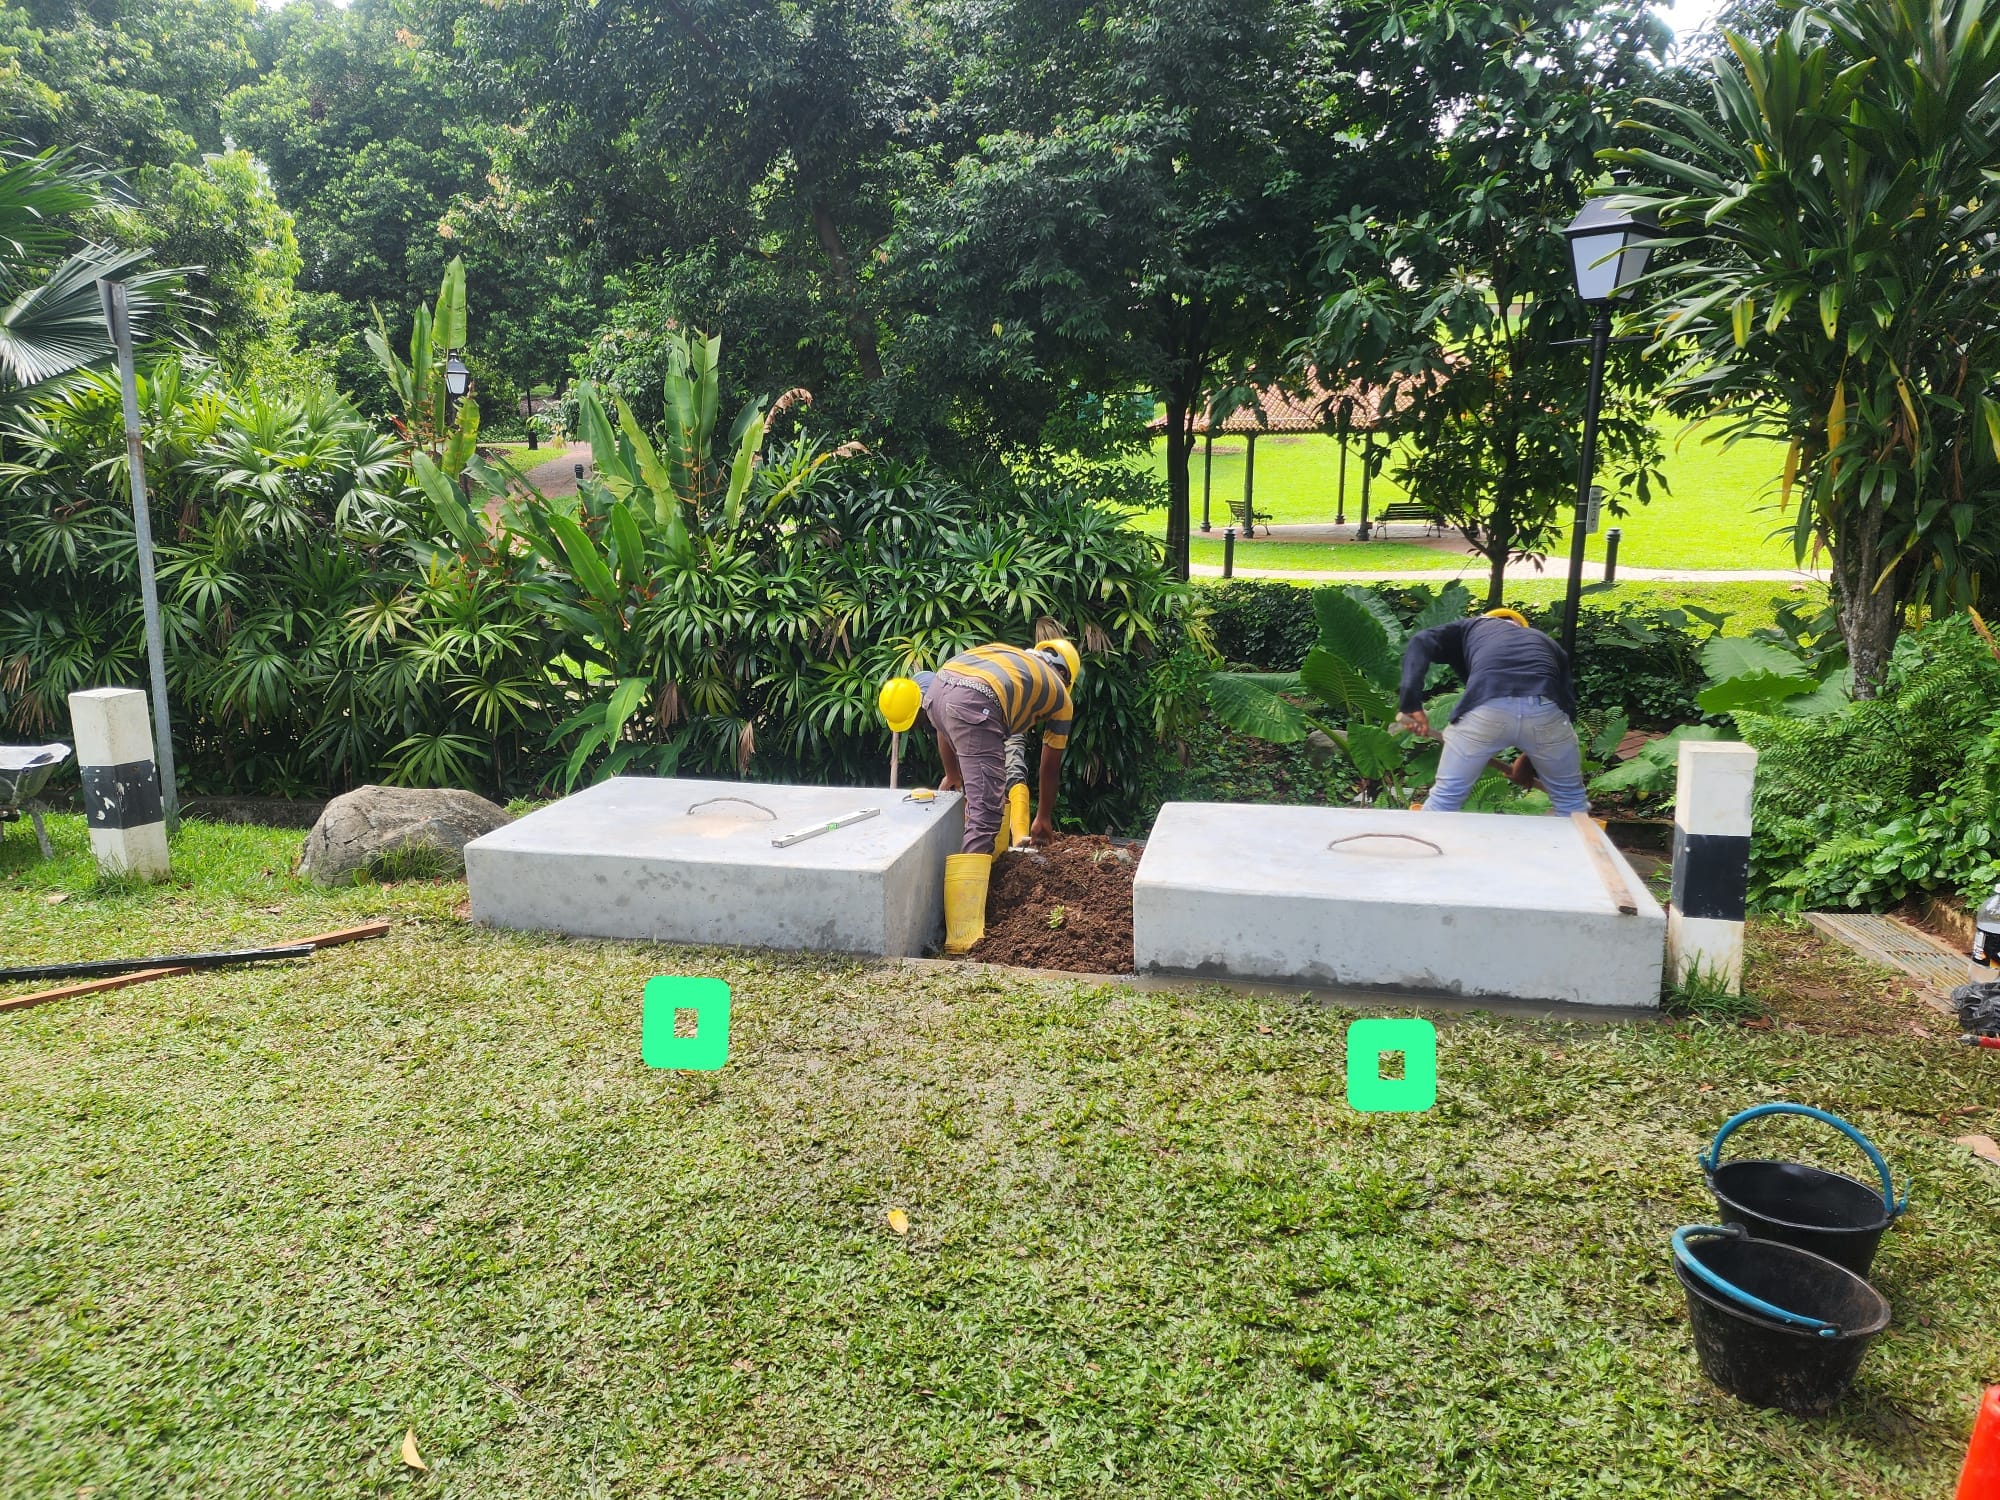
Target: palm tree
<point>51,317</point>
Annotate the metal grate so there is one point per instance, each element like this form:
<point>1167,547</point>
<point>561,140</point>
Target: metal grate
<point>1937,966</point>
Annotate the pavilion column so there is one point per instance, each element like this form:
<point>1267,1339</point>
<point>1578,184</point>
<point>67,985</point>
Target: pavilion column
<point>1207,473</point>
<point>1340,499</point>
<point>1249,484</point>
<point>1367,473</point>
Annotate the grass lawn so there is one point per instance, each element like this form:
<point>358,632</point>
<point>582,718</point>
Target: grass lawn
<point>256,1225</point>
<point>1718,512</point>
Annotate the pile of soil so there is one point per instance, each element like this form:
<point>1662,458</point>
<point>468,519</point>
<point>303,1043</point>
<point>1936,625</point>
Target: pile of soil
<point>1067,905</point>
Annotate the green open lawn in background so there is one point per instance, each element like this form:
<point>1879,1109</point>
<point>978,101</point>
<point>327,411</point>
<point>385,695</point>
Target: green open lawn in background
<point>1749,606</point>
<point>1717,512</point>
<point>256,1225</point>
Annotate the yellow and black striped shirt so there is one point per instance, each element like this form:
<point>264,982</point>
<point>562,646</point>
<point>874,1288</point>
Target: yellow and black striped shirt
<point>1027,685</point>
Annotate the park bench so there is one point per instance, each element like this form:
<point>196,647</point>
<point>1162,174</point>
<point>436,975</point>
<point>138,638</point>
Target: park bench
<point>1410,510</point>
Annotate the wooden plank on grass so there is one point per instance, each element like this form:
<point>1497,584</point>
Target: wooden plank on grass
<point>1616,885</point>
<point>147,976</point>
<point>70,991</point>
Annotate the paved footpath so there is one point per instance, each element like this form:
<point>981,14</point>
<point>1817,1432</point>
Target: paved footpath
<point>557,476</point>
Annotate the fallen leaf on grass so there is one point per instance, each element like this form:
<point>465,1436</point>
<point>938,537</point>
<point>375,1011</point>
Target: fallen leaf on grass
<point>899,1221</point>
<point>1263,1031</point>
<point>742,1366</point>
<point>410,1455</point>
<point>1980,1145</point>
<point>463,911</point>
<point>56,897</point>
<point>271,911</point>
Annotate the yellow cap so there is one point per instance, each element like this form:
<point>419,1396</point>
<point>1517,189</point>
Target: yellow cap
<point>1507,614</point>
<point>899,701</point>
<point>1069,657</point>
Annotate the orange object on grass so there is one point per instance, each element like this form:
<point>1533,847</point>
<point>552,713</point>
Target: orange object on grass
<point>1980,1478</point>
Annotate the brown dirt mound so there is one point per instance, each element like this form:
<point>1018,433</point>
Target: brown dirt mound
<point>1068,905</point>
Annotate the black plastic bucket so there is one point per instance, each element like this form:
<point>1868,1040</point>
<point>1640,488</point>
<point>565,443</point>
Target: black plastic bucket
<point>1775,1325</point>
<point>1814,1209</point>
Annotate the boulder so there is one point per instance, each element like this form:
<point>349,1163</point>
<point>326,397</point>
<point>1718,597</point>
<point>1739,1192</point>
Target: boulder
<point>1320,748</point>
<point>396,831</point>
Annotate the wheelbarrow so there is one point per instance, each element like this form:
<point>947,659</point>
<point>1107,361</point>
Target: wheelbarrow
<point>24,770</point>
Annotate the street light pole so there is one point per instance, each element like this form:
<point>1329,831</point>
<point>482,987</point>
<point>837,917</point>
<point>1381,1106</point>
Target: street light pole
<point>118,320</point>
<point>1600,343</point>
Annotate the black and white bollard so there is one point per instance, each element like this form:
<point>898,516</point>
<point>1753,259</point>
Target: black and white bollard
<point>121,783</point>
<point>1711,860</point>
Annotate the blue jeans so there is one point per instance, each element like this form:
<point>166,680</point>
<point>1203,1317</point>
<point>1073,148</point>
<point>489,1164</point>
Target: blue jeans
<point>1535,726</point>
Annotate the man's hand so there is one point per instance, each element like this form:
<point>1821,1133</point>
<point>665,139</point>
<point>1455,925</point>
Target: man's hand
<point>1042,829</point>
<point>1418,721</point>
<point>950,782</point>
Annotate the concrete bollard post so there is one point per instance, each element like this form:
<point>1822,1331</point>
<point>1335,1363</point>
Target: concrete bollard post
<point>1711,860</point>
<point>121,783</point>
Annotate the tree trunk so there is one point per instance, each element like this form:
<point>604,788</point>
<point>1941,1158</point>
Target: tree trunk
<point>1180,450</point>
<point>860,326</point>
<point>1869,617</point>
<point>1496,578</point>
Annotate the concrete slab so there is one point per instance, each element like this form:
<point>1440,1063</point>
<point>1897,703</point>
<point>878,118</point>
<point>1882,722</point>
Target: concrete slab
<point>1466,904</point>
<point>686,861</point>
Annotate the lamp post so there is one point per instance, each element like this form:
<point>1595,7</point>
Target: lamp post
<point>457,378</point>
<point>1608,249</point>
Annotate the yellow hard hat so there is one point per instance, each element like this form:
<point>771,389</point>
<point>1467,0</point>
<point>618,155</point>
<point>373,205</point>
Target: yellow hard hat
<point>1067,653</point>
<point>899,701</point>
<point>1507,614</point>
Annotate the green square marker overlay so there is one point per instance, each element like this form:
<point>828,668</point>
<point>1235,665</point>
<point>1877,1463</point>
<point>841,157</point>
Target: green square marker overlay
<point>1367,1090</point>
<point>708,1048</point>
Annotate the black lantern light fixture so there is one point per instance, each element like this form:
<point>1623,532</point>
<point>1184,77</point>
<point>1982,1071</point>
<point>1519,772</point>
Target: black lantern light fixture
<point>1608,247</point>
<point>457,378</point>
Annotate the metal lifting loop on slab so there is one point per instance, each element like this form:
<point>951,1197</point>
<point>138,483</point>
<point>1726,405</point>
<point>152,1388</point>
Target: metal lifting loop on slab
<point>1407,837</point>
<point>1891,1204</point>
<point>1736,1293</point>
<point>741,801</point>
<point>827,827</point>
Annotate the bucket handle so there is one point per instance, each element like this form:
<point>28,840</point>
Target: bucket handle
<point>1891,1204</point>
<point>1736,1293</point>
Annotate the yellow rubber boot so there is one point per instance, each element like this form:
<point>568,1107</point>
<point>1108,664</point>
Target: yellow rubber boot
<point>1017,812</point>
<point>965,877</point>
<point>1001,842</point>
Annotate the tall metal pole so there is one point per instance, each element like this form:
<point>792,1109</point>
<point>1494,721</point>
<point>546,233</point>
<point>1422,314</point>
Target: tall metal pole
<point>117,318</point>
<point>1600,341</point>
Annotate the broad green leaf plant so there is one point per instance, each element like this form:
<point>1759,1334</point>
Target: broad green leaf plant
<point>1828,280</point>
<point>429,423</point>
<point>1346,688</point>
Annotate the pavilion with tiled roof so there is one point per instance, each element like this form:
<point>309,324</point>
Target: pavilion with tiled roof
<point>1313,408</point>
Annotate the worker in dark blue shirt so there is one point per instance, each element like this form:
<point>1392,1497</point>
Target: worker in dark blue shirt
<point>1517,692</point>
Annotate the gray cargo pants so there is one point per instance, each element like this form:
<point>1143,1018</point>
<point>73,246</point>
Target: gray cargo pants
<point>968,716</point>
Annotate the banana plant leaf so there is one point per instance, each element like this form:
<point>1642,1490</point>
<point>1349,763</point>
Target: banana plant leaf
<point>1350,631</point>
<point>1250,708</point>
<point>1336,681</point>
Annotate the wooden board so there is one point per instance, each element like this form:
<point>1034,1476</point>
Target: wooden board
<point>147,976</point>
<point>1939,969</point>
<point>95,986</point>
<point>1610,868</point>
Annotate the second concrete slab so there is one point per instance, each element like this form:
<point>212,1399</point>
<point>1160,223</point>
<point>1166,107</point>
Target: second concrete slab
<point>1463,904</point>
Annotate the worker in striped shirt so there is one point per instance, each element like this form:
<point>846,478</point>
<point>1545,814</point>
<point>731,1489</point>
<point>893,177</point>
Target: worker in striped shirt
<point>974,702</point>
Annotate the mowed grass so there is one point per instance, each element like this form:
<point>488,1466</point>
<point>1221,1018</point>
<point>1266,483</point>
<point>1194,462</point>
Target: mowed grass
<point>1719,509</point>
<point>255,1225</point>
